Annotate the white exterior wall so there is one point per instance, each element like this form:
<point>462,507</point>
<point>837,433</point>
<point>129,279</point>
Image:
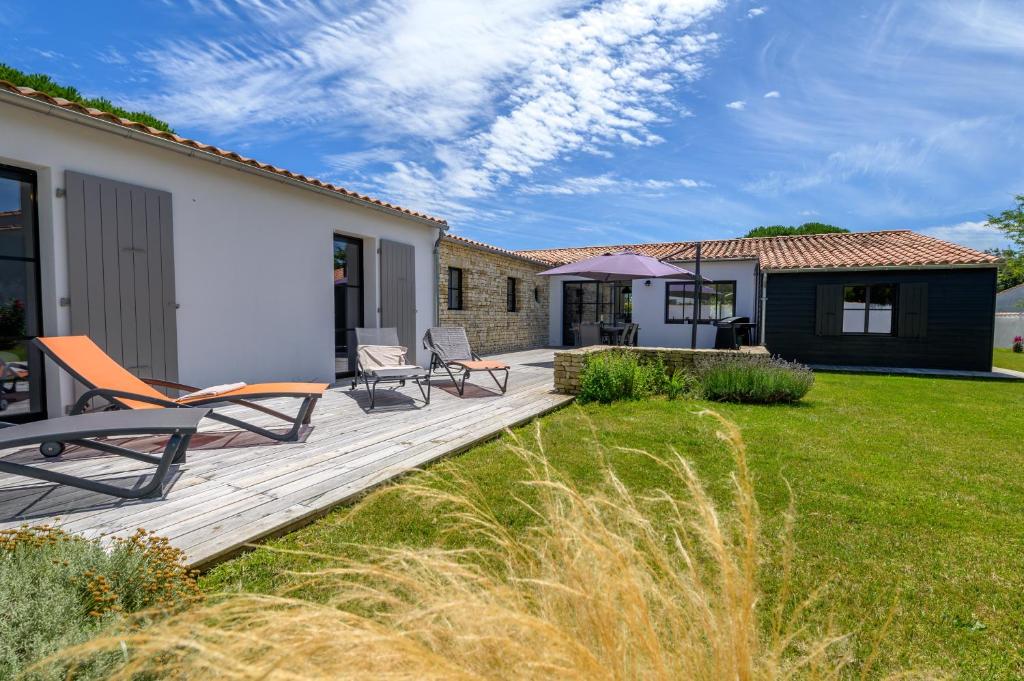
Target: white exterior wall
<point>649,305</point>
<point>253,256</point>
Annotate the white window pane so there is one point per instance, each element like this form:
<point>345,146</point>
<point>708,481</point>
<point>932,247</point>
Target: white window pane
<point>879,321</point>
<point>853,318</point>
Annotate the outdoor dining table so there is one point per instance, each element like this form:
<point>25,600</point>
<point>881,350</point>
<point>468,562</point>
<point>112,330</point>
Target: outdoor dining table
<point>613,333</point>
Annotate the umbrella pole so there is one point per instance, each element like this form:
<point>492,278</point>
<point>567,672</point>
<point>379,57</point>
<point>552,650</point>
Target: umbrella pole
<point>697,286</point>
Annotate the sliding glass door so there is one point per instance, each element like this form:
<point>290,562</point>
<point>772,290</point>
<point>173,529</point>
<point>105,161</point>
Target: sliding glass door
<point>607,302</point>
<point>348,301</point>
<point>21,366</point>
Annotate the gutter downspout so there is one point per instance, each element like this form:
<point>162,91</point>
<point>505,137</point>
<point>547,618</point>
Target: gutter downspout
<point>437,274</point>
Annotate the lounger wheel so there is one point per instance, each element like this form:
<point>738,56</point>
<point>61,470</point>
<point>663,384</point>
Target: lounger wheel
<point>4,404</point>
<point>51,449</point>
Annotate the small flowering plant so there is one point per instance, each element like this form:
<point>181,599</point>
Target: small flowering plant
<point>1018,344</point>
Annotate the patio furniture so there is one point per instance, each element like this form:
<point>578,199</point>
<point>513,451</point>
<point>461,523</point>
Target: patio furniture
<point>613,334</point>
<point>590,334</point>
<point>381,359</point>
<point>54,434</point>
<point>629,335</point>
<point>449,348</point>
<point>11,373</point>
<point>108,380</point>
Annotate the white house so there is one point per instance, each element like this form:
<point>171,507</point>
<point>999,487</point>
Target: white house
<point>890,298</point>
<point>188,262</point>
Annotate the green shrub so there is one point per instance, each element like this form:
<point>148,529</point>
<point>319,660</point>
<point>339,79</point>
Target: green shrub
<point>59,589</point>
<point>681,384</point>
<point>611,376</point>
<point>43,83</point>
<point>752,378</point>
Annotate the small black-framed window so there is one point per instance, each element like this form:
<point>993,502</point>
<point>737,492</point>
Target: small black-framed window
<point>868,308</point>
<point>510,294</point>
<point>454,288</point>
<point>717,301</point>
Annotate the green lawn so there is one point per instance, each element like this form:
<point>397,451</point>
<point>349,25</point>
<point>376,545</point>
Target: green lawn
<point>909,493</point>
<point>1008,359</point>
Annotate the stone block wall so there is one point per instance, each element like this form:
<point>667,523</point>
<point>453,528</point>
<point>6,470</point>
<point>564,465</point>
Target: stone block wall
<point>491,328</point>
<point>569,363</point>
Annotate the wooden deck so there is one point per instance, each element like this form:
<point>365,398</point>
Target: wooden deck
<point>236,488</point>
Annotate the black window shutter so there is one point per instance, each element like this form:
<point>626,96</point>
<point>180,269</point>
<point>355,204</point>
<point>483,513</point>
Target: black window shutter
<point>913,311</point>
<point>829,316</point>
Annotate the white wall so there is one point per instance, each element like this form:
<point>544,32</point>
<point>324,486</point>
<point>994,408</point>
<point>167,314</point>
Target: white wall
<point>253,256</point>
<point>649,305</point>
<point>1009,325</point>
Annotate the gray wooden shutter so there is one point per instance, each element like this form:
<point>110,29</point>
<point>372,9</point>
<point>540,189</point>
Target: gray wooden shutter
<point>829,311</point>
<point>398,290</point>
<point>913,311</point>
<point>121,272</point>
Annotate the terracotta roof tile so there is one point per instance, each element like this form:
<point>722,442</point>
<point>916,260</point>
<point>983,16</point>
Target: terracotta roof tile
<point>897,248</point>
<point>496,249</point>
<point>171,137</point>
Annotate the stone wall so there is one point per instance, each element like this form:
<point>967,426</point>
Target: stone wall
<point>569,363</point>
<point>485,270</point>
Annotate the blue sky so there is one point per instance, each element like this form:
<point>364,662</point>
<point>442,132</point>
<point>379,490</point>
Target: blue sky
<point>541,123</point>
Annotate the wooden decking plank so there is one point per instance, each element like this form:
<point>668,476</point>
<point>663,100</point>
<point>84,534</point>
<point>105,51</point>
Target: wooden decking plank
<point>223,498</point>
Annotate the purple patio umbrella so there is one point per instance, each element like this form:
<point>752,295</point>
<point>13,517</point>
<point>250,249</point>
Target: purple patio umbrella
<point>626,265</point>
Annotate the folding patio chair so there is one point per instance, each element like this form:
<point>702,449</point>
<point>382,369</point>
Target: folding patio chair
<point>53,434</point>
<point>449,348</point>
<point>381,359</point>
<point>108,380</point>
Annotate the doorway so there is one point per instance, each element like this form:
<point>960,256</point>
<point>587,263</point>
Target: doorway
<point>21,365</point>
<point>348,301</point>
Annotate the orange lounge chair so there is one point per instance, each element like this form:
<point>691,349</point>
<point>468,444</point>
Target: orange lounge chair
<point>108,380</point>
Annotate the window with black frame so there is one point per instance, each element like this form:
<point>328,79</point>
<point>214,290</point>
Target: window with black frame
<point>510,295</point>
<point>21,366</point>
<point>717,301</point>
<point>348,301</point>
<point>454,288</point>
<point>605,302</point>
<point>868,308</point>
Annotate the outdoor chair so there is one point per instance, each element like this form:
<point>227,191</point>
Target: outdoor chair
<point>449,349</point>
<point>590,334</point>
<point>12,373</point>
<point>381,359</point>
<point>629,335</point>
<point>54,434</point>
<point>109,381</point>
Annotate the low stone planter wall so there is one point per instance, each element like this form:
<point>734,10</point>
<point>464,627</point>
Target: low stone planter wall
<point>569,363</point>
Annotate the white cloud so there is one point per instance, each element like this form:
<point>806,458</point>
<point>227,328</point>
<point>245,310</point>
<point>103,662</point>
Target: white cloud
<point>495,89</point>
<point>111,55</point>
<point>756,12</point>
<point>354,160</point>
<point>774,94</point>
<point>609,183</point>
<point>738,105</point>
<point>977,234</point>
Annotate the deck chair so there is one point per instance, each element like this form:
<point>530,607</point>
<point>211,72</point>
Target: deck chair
<point>449,349</point>
<point>381,359</point>
<point>53,434</point>
<point>109,381</point>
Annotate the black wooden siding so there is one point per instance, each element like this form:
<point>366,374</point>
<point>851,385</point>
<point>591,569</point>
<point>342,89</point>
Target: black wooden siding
<point>959,328</point>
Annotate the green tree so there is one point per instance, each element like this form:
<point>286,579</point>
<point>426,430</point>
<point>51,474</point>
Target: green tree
<point>784,230</point>
<point>43,83</point>
<point>1011,223</point>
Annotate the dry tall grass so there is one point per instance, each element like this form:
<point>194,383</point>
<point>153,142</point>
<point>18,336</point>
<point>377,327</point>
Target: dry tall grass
<point>608,585</point>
